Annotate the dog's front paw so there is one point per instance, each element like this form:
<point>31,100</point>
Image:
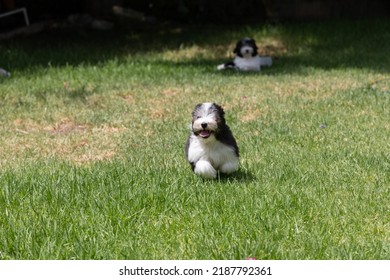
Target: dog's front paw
<point>221,67</point>
<point>229,167</point>
<point>204,169</point>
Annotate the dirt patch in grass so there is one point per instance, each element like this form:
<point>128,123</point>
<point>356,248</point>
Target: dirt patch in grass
<point>65,139</point>
<point>272,47</point>
<point>170,92</point>
<point>26,126</point>
<point>66,126</point>
<point>251,114</point>
<point>128,97</point>
<point>162,104</point>
<point>188,53</point>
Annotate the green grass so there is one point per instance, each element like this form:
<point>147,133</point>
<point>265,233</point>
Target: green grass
<point>92,145</point>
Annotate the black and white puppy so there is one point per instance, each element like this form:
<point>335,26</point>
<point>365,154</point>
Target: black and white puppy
<point>247,57</point>
<point>211,146</point>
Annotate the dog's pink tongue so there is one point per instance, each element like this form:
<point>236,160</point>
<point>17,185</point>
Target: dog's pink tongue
<point>204,133</point>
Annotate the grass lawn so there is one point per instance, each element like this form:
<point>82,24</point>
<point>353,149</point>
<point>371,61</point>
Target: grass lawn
<point>93,127</point>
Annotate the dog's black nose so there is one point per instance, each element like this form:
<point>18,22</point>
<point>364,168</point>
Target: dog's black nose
<point>204,125</point>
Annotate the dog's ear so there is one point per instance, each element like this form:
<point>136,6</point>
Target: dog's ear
<point>254,46</point>
<point>255,51</point>
<point>237,49</point>
<point>219,108</point>
<point>221,112</point>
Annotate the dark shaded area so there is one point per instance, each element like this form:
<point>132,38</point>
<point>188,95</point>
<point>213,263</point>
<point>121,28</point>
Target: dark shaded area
<point>296,10</point>
<point>179,11</point>
<point>245,11</point>
<point>331,45</point>
<point>239,176</point>
<point>209,24</point>
<point>203,11</point>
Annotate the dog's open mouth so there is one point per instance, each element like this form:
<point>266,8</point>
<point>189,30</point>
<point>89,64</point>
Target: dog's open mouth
<point>205,133</point>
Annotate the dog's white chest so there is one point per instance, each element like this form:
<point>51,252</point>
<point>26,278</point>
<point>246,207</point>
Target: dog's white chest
<point>215,152</point>
<point>248,64</point>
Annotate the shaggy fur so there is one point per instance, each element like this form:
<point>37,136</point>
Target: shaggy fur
<point>211,147</point>
<point>247,57</point>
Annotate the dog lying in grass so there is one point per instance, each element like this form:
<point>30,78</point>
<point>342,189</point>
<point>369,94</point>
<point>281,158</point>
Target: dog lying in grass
<point>247,57</point>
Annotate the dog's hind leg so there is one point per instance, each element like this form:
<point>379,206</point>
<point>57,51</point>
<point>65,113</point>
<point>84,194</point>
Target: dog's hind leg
<point>228,65</point>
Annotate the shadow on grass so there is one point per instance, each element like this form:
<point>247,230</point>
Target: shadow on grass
<point>295,47</point>
<point>238,176</point>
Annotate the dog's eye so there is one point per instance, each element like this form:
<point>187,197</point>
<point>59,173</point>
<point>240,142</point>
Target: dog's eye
<point>198,117</point>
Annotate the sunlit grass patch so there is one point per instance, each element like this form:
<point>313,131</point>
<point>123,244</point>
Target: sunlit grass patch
<point>92,146</point>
